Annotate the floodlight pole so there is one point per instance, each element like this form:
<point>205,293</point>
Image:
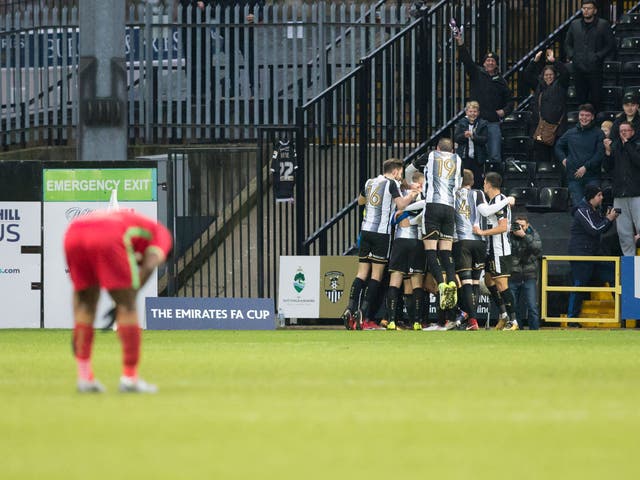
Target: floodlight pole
<point>102,126</point>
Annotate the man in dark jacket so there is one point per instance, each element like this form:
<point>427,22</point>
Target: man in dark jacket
<point>581,151</point>
<point>471,138</point>
<point>588,226</point>
<point>622,157</point>
<point>491,91</point>
<point>588,43</point>
<point>629,113</point>
<point>526,248</point>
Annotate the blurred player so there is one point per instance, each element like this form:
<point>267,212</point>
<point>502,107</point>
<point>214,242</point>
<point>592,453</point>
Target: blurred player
<point>407,259</point>
<point>470,250</point>
<point>442,178</point>
<point>498,263</point>
<point>117,251</point>
<point>381,196</point>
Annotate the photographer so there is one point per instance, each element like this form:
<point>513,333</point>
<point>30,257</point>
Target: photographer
<point>526,248</point>
<point>586,230</point>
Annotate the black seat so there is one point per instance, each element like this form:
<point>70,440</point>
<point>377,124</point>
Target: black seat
<point>611,97</point>
<point>628,25</point>
<point>516,124</point>
<point>518,173</point>
<point>607,115</point>
<point>520,145</point>
<point>572,99</point>
<point>630,74</point>
<point>629,48</point>
<point>551,199</point>
<point>572,118</point>
<point>611,73</point>
<point>548,174</point>
<point>523,195</point>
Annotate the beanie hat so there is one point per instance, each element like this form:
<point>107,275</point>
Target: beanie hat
<point>630,97</point>
<point>491,55</point>
<point>591,191</point>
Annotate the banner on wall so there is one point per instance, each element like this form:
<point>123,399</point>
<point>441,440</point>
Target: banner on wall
<point>20,248</point>
<point>315,286</point>
<point>70,193</point>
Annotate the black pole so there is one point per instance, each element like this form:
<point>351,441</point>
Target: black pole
<point>300,204</point>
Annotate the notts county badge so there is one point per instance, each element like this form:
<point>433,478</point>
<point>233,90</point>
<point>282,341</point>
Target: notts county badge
<point>334,286</point>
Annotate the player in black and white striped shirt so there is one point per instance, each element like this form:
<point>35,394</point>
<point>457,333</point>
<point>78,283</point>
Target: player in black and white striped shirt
<point>442,178</point>
<point>380,196</point>
<point>498,263</point>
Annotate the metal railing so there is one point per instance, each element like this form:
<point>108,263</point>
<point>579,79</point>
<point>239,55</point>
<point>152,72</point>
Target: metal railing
<point>399,100</point>
<point>615,290</point>
<point>192,75</point>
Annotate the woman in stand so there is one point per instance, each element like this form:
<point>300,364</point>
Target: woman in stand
<point>550,81</point>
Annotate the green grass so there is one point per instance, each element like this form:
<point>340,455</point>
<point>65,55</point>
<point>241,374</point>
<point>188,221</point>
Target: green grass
<point>327,405</point>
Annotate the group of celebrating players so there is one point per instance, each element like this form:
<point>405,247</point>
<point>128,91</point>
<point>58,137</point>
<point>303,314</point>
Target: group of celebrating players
<point>445,234</point>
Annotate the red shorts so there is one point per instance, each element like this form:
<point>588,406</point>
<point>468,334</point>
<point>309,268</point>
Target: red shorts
<point>99,257</point>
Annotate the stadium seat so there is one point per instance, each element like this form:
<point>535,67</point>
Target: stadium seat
<point>611,73</point>
<point>494,167</point>
<point>607,115</point>
<point>520,146</point>
<point>518,173</point>
<point>572,100</point>
<point>551,199</point>
<point>572,118</point>
<point>611,97</point>
<point>633,89</point>
<point>523,195</point>
<point>548,174</point>
<point>630,74</point>
<point>629,48</point>
<point>516,124</point>
<point>628,26</point>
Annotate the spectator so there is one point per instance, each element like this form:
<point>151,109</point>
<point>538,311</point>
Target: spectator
<point>622,158</point>
<point>550,84</point>
<point>471,138</point>
<point>581,150</point>
<point>526,248</point>
<point>195,35</point>
<point>629,114</point>
<point>491,91</point>
<point>606,128</point>
<point>586,230</point>
<point>589,42</point>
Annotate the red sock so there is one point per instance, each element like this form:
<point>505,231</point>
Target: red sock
<point>82,342</point>
<point>131,338</point>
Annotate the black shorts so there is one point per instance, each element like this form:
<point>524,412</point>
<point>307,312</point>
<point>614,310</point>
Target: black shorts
<point>438,222</point>
<point>407,256</point>
<point>374,247</point>
<point>469,254</point>
<point>500,267</point>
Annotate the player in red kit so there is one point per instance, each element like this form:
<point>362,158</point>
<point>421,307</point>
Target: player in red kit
<point>117,251</point>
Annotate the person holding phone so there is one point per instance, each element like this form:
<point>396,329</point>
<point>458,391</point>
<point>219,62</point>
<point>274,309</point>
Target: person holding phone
<point>586,232</point>
<point>622,159</point>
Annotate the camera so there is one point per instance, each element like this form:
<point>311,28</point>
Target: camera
<point>617,210</point>
<point>515,227</point>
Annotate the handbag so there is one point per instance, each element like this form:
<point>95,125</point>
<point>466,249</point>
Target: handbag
<point>545,131</point>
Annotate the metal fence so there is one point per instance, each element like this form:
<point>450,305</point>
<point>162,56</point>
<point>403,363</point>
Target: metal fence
<point>402,97</point>
<point>192,75</point>
<point>229,230</point>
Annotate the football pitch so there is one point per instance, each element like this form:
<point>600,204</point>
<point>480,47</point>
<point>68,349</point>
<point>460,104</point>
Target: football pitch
<point>327,405</point>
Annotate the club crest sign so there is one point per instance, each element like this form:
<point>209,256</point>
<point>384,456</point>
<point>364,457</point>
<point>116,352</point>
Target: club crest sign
<point>299,280</point>
<point>334,285</point>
